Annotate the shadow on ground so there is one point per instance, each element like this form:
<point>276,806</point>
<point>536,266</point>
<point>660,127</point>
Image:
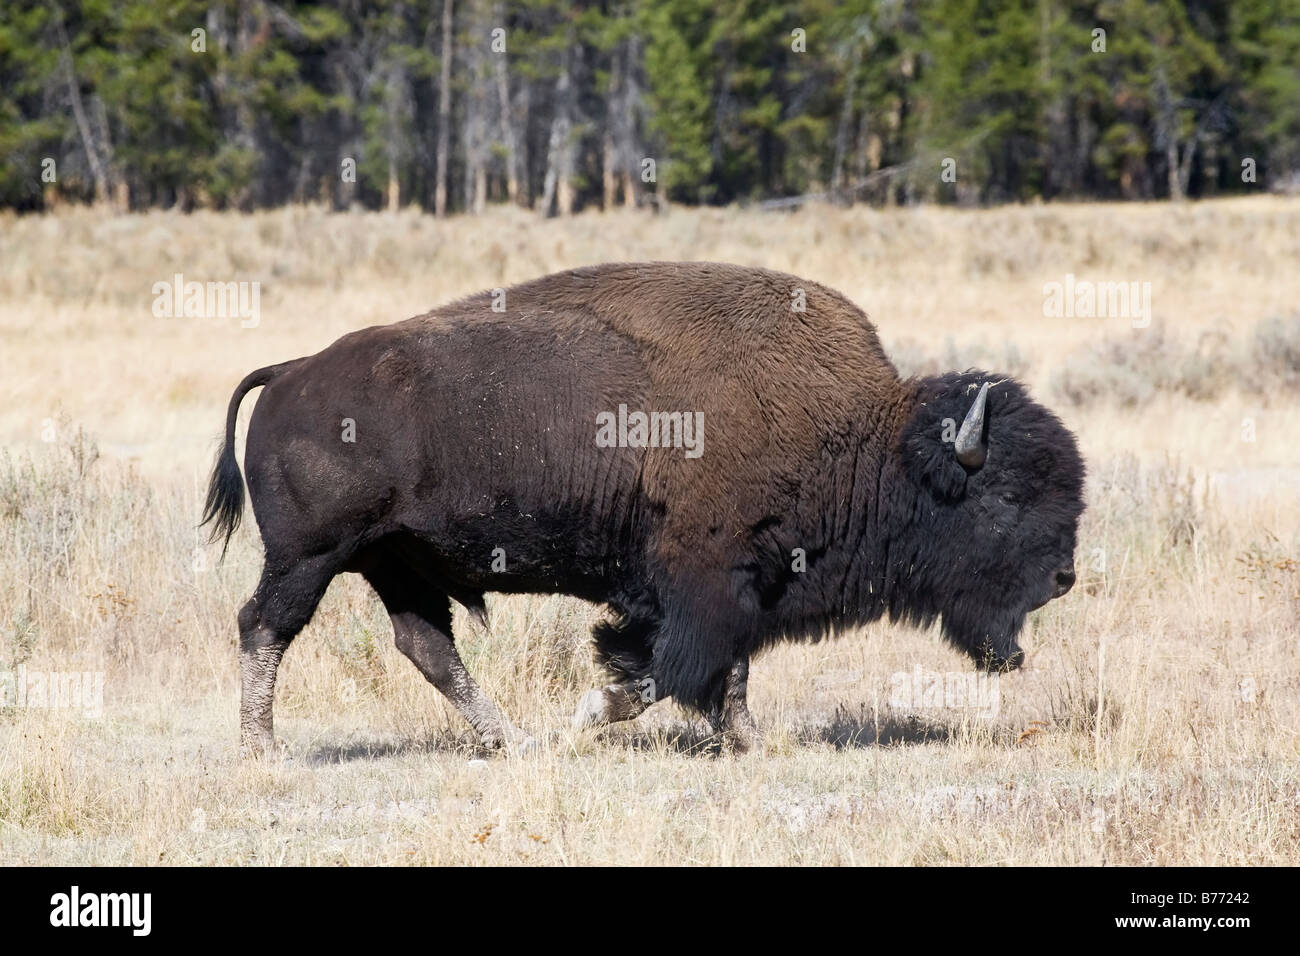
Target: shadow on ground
<point>846,729</point>
<point>346,751</point>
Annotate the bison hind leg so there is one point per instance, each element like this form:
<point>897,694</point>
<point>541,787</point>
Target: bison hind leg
<point>420,612</point>
<point>285,600</point>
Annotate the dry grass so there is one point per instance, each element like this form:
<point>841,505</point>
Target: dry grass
<point>1119,370</point>
<point>1156,723</point>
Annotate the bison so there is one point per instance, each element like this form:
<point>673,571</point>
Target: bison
<point>723,456</point>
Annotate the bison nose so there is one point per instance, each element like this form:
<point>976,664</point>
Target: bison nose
<point>1064,581</point>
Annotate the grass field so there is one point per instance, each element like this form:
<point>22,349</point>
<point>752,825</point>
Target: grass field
<point>1156,722</point>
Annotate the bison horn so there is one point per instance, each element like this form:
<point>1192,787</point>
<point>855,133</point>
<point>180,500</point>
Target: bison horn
<point>971,446</point>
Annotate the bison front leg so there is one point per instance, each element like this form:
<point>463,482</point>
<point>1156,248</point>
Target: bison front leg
<point>622,647</point>
<point>613,703</point>
<point>734,721</point>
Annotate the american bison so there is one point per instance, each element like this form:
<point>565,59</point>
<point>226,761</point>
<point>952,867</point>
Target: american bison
<point>722,456</point>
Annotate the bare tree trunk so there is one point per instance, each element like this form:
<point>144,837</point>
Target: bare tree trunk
<point>564,195</point>
<point>846,120</point>
<point>556,189</point>
<point>1167,131</point>
<point>1185,167</point>
<point>121,188</point>
<point>229,113</point>
<point>399,112</point>
<point>868,150</point>
<point>608,181</point>
<point>626,129</point>
<point>613,108</point>
<point>507,120</point>
<point>98,167</point>
<point>893,122</point>
<point>524,109</point>
<point>394,187</point>
<point>1175,184</point>
<point>480,189</point>
<point>243,197</point>
<point>444,115</point>
<point>508,131</point>
<point>481,98</point>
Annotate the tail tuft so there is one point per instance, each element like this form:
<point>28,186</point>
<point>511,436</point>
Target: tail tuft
<point>225,503</point>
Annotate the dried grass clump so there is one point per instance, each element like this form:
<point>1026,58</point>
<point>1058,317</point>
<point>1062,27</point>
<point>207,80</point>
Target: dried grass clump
<point>1274,357</point>
<point>1129,371</point>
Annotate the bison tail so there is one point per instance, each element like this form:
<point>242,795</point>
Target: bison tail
<point>225,502</point>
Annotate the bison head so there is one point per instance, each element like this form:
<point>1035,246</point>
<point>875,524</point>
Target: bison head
<point>995,491</point>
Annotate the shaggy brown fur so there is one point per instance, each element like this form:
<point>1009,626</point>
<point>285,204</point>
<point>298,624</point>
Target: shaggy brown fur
<point>825,492</point>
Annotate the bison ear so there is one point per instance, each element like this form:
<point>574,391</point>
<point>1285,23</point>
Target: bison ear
<point>933,465</point>
<point>941,454</point>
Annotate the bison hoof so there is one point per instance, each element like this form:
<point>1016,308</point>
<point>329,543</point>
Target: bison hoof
<point>591,710</point>
<point>740,742</point>
<point>524,745</point>
<point>260,748</point>
<point>512,743</point>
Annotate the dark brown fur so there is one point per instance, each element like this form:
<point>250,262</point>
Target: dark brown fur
<point>475,430</point>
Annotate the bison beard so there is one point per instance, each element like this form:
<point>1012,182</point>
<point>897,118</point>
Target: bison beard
<point>456,453</point>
